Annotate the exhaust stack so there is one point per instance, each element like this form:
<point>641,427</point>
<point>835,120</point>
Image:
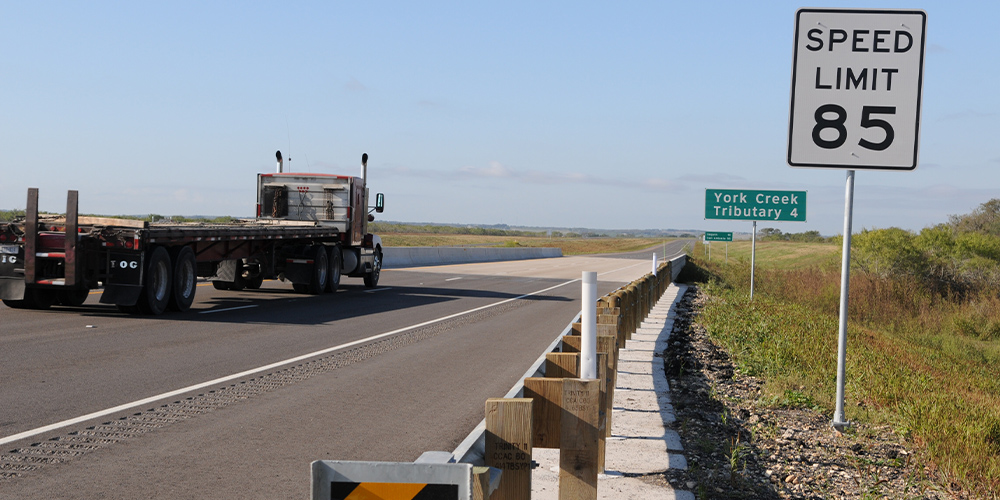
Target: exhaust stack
<point>280,161</point>
<point>364,168</point>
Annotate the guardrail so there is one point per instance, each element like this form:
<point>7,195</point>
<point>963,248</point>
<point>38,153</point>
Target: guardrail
<point>634,302</point>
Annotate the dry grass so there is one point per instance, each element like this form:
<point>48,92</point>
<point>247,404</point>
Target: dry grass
<point>782,254</point>
<point>925,363</point>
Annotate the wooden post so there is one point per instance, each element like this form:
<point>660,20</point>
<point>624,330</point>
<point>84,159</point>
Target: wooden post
<point>481,483</point>
<point>508,446</point>
<point>562,365</point>
<point>578,450</point>
<point>606,345</point>
<point>604,405</point>
<point>546,413</point>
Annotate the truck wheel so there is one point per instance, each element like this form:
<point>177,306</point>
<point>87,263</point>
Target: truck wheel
<point>73,298</point>
<point>185,280</point>
<point>16,304</point>
<point>239,282</point>
<point>336,263</point>
<point>371,278</point>
<point>320,270</point>
<point>129,309</point>
<point>156,292</point>
<point>33,299</point>
<point>254,282</point>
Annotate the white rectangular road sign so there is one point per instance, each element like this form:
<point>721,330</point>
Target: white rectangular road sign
<point>856,82</point>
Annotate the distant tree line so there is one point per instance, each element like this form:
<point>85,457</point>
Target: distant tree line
<point>960,255</point>
<point>772,234</point>
<point>496,230</point>
<point>395,227</point>
<point>11,215</point>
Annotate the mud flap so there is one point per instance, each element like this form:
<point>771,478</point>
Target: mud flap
<point>122,295</point>
<point>12,288</point>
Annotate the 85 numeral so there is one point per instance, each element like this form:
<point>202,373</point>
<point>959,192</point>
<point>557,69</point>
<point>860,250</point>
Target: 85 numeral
<point>837,123</point>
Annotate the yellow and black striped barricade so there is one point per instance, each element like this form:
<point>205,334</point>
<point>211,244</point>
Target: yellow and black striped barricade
<point>347,480</point>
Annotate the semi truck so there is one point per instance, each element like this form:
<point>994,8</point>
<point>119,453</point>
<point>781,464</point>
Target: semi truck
<point>310,230</point>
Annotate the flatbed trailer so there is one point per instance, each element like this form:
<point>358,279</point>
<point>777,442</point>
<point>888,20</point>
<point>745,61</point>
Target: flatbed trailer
<point>310,229</point>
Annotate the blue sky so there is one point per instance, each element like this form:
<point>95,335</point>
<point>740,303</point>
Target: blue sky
<point>572,114</point>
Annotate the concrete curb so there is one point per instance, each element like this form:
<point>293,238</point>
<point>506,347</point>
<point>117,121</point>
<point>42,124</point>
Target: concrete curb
<point>642,439</point>
<point>400,257</point>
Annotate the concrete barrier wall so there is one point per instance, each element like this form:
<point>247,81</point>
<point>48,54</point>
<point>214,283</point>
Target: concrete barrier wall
<point>397,257</point>
<point>676,264</point>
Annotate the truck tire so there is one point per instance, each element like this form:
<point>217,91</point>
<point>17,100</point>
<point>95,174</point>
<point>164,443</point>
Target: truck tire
<point>239,282</point>
<point>254,274</point>
<point>33,299</point>
<point>336,264</point>
<point>156,292</point>
<point>14,304</point>
<point>129,309</point>
<point>73,298</point>
<point>371,278</point>
<point>320,270</point>
<point>254,282</point>
<point>185,280</point>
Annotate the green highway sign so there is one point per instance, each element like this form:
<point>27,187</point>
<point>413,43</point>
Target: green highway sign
<point>751,204</point>
<point>718,236</point>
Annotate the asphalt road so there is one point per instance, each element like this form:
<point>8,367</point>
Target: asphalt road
<point>448,338</point>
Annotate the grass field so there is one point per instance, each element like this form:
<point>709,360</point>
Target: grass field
<point>925,363</point>
<point>569,246</point>
<point>781,254</point>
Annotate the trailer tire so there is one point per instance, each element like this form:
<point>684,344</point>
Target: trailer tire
<point>320,270</point>
<point>254,282</point>
<point>156,292</point>
<point>185,280</point>
<point>17,304</point>
<point>336,263</point>
<point>33,299</point>
<point>239,282</point>
<point>129,309</point>
<point>371,278</point>
<point>73,298</point>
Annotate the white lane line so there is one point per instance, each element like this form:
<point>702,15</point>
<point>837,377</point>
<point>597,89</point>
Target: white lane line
<point>211,311</point>
<point>373,290</point>
<point>152,399</point>
<point>453,279</point>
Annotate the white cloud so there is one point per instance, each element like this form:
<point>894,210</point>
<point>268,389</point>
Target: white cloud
<point>494,170</point>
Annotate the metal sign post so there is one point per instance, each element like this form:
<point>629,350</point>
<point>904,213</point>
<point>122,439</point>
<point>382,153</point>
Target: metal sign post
<point>839,420</point>
<point>857,78</point>
<point>753,256</point>
<point>753,205</point>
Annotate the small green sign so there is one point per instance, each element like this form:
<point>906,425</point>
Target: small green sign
<point>751,204</point>
<point>718,236</point>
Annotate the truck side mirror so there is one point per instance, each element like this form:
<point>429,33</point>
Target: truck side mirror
<point>379,202</point>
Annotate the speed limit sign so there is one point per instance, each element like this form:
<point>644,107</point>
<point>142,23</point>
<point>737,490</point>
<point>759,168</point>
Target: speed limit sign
<point>856,83</point>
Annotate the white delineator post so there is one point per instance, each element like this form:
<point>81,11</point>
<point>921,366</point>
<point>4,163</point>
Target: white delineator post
<point>753,255</point>
<point>654,263</point>
<point>839,422</point>
<point>588,330</point>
